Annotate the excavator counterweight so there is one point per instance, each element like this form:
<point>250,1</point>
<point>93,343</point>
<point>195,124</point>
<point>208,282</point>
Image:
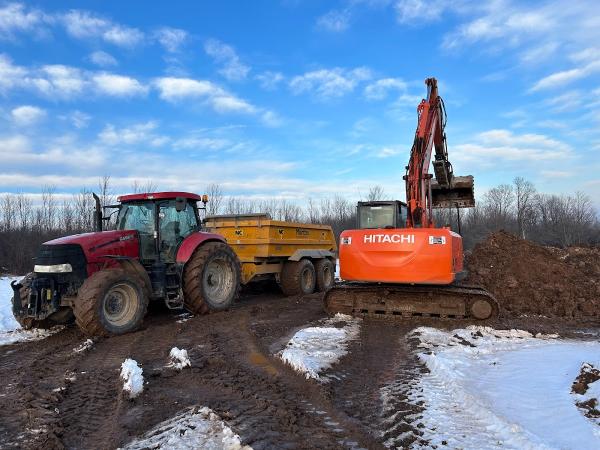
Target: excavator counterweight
<point>396,263</point>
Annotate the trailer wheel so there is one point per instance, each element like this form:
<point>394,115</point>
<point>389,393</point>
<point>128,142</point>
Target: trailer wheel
<point>298,278</point>
<point>211,278</point>
<point>111,302</point>
<point>325,274</point>
<point>61,317</point>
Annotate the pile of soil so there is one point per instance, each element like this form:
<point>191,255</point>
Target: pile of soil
<point>528,279</point>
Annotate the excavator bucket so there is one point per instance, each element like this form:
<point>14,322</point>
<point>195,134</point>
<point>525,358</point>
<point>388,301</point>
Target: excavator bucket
<point>459,194</point>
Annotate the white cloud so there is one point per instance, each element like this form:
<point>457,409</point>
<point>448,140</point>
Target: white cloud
<point>118,85</point>
<point>419,11</point>
<point>386,152</point>
<point>270,80</point>
<point>232,68</point>
<point>27,115</point>
<point>494,147</point>
<point>134,134</point>
<point>79,119</point>
<point>335,20</point>
<point>329,83</point>
<point>271,119</point>
<point>87,25</point>
<point>176,89</point>
<point>379,89</point>
<point>10,74</point>
<point>200,143</point>
<point>15,18</point>
<point>102,59</point>
<point>565,77</point>
<point>58,80</point>
<point>19,151</point>
<point>171,38</point>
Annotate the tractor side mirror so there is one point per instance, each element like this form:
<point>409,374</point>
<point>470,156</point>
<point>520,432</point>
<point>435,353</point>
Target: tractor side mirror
<point>180,204</point>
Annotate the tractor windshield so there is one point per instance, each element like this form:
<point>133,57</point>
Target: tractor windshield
<point>137,216</point>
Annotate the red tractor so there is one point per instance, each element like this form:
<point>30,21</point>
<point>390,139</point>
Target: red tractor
<point>105,280</point>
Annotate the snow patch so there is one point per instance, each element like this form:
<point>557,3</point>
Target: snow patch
<point>501,388</point>
<point>314,349</point>
<point>85,346</point>
<point>7,320</point>
<point>133,380</point>
<point>194,428</point>
<point>179,358</point>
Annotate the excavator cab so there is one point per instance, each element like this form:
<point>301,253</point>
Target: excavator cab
<point>388,214</point>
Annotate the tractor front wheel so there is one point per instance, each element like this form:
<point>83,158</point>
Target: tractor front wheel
<point>111,302</point>
<point>211,278</point>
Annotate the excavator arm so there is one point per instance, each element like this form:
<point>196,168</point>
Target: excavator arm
<point>422,192</point>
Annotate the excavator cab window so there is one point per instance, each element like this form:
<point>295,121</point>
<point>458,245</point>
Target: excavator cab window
<point>372,215</point>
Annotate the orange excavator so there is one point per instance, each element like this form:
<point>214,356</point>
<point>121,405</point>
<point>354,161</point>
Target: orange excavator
<point>397,262</point>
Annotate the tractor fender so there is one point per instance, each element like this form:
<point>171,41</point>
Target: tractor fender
<point>135,267</point>
<point>193,241</point>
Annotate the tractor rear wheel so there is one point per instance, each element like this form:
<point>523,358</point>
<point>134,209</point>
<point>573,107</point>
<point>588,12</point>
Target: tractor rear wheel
<point>298,277</point>
<point>111,302</point>
<point>211,278</point>
<point>63,316</point>
<point>325,274</point>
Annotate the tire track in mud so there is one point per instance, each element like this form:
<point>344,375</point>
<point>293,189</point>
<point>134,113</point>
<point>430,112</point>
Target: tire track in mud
<point>33,375</point>
<point>370,382</point>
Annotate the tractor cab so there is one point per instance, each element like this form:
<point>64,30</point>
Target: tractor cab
<point>381,214</point>
<point>163,220</point>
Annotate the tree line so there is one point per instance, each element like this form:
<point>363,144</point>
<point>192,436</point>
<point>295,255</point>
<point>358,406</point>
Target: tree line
<point>556,220</point>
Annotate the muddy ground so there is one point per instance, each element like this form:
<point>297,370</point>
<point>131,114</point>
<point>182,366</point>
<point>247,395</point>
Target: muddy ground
<point>53,397</point>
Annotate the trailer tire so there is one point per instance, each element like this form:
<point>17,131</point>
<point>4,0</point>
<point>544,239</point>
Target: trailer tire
<point>325,274</point>
<point>211,278</point>
<point>111,302</point>
<point>298,278</point>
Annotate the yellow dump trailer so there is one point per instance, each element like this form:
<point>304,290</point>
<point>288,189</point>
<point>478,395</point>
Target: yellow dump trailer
<point>299,256</point>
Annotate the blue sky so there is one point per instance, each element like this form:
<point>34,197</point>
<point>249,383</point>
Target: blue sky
<point>295,98</point>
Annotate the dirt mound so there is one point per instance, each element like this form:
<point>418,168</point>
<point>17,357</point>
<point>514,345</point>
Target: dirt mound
<point>528,279</point>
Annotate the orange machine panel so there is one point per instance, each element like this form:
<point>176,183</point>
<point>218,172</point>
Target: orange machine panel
<point>406,255</point>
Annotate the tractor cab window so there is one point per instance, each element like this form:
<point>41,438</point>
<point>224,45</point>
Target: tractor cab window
<point>175,226</point>
<point>136,216</point>
<point>377,216</point>
<point>140,217</point>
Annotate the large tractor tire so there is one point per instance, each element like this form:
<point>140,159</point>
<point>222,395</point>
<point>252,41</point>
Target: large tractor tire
<point>61,317</point>
<point>298,278</point>
<point>111,302</point>
<point>211,278</point>
<point>325,270</point>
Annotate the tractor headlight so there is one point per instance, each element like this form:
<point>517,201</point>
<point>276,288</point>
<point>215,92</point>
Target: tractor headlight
<point>54,268</point>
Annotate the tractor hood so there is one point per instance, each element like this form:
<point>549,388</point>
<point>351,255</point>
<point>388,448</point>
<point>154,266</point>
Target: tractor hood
<point>96,246</point>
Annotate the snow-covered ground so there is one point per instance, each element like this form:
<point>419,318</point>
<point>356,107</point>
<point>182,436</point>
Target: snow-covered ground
<point>503,389</point>
<point>7,321</point>
<point>314,349</point>
<point>10,330</point>
<point>195,428</point>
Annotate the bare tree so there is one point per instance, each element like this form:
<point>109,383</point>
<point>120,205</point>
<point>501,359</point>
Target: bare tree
<point>143,187</point>
<point>375,193</point>
<point>215,199</point>
<point>524,196</point>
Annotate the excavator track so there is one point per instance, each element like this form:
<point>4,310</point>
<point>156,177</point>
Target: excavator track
<point>397,301</point>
